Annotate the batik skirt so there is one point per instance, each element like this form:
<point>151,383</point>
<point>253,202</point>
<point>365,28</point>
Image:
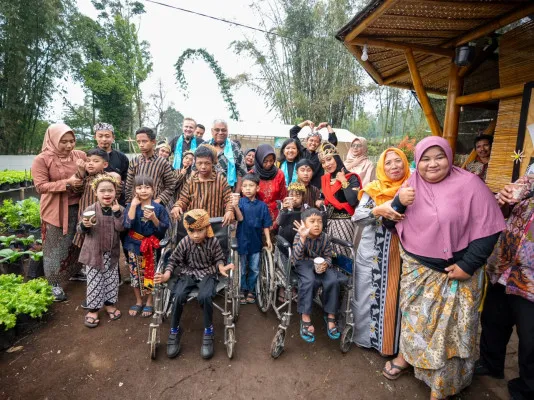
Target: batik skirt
<point>102,284</point>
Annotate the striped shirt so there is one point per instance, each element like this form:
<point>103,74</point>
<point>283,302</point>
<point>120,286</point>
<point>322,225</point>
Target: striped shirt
<point>212,195</point>
<point>311,196</point>
<point>196,260</point>
<point>222,164</point>
<point>318,247</point>
<point>159,170</point>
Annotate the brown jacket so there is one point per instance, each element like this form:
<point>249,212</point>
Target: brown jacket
<point>101,238</point>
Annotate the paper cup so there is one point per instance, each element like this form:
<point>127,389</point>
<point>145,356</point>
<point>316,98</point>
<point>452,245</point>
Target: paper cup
<point>149,208</point>
<point>519,190</point>
<point>235,198</point>
<point>91,216</point>
<point>318,263</point>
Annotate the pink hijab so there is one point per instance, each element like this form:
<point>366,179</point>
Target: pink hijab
<point>446,216</point>
<point>53,135</point>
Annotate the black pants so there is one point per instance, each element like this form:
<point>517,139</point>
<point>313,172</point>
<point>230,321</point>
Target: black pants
<point>308,284</point>
<point>207,289</point>
<point>501,312</point>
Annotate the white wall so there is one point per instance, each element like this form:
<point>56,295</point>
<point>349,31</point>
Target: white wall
<point>20,163</point>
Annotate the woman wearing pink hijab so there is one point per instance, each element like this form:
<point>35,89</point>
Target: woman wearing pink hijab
<point>439,214</point>
<point>53,172</point>
<point>357,161</point>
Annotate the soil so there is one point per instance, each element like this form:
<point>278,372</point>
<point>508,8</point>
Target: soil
<point>63,359</point>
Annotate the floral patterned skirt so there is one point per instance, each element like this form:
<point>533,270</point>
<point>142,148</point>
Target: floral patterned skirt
<point>439,326</point>
<point>137,274</point>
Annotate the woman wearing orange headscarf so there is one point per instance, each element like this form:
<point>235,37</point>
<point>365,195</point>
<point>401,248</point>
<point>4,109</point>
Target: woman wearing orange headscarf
<point>53,172</point>
<point>377,270</point>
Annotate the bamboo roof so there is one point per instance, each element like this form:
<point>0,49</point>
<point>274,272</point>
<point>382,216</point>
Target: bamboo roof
<point>430,28</point>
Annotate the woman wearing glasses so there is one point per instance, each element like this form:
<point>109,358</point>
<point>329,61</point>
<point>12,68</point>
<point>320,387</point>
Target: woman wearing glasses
<point>358,163</point>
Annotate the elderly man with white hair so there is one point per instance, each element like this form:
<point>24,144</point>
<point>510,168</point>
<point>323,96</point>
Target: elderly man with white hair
<point>231,162</point>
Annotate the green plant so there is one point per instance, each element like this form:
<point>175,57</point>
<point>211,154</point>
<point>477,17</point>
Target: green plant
<point>30,212</point>
<point>11,256</point>
<point>17,297</point>
<point>36,255</point>
<point>7,240</point>
<point>9,213</point>
<point>27,240</point>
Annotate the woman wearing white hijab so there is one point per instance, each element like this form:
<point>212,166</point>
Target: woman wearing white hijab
<point>357,161</point>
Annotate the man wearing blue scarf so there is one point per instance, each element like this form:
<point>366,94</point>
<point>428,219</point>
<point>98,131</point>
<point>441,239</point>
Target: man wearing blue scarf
<point>231,162</point>
<point>185,142</point>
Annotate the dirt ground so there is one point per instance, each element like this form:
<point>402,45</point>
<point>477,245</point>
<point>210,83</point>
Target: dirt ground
<point>63,359</point>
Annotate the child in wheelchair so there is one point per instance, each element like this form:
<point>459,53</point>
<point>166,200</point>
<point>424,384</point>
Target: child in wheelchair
<point>196,260</point>
<point>311,245</point>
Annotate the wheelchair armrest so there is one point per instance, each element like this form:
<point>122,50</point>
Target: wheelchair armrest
<point>283,242</point>
<point>341,242</point>
<point>233,243</point>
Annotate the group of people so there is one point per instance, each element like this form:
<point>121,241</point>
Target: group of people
<point>433,245</point>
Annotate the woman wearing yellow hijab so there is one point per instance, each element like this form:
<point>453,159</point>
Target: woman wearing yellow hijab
<point>377,269</point>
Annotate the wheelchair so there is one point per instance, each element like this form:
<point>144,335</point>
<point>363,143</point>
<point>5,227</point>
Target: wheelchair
<point>276,272</point>
<point>227,288</point>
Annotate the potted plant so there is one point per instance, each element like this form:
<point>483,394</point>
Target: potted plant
<point>26,242</point>
<point>5,241</point>
<point>11,261</point>
<point>36,268</point>
<point>9,215</point>
<point>30,213</point>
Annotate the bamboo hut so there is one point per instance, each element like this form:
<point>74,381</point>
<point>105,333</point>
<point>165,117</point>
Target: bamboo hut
<point>419,45</point>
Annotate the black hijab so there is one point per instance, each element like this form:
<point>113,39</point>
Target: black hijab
<point>262,152</point>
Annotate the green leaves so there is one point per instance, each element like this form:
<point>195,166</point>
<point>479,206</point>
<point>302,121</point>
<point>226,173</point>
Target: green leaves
<point>13,215</point>
<point>12,256</point>
<point>33,298</point>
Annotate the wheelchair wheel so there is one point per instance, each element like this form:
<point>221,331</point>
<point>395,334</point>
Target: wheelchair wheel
<point>230,342</point>
<point>153,341</point>
<point>265,282</point>
<point>277,345</point>
<point>346,339</point>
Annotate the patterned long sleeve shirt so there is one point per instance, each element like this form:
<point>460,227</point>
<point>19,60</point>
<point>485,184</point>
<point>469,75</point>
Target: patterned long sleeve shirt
<point>222,165</point>
<point>212,195</point>
<point>196,260</point>
<point>311,248</point>
<point>159,170</point>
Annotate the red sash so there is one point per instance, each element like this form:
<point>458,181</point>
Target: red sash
<point>329,192</point>
<point>148,245</point>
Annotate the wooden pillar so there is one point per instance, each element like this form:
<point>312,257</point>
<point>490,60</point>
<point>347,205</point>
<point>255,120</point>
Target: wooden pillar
<point>421,94</point>
<point>452,110</point>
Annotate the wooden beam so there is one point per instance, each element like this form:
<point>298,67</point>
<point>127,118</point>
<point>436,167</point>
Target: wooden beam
<point>403,46</point>
<point>430,115</point>
<point>370,19</point>
<point>355,50</point>
<point>496,94</point>
<point>452,110</point>
<point>512,16</point>
<point>422,68</point>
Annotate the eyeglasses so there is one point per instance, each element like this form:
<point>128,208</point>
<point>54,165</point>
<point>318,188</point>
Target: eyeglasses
<point>223,130</point>
<point>356,146</point>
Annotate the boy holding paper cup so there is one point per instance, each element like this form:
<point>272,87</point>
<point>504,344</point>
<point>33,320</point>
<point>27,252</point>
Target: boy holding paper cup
<point>312,255</point>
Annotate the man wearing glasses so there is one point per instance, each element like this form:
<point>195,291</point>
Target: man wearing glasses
<point>231,162</point>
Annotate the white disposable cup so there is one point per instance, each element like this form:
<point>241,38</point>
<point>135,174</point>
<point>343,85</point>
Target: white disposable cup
<point>149,208</point>
<point>91,216</point>
<point>290,200</point>
<point>318,263</point>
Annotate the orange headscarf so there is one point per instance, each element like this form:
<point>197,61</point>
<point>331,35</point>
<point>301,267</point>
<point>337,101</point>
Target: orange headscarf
<point>53,135</point>
<point>384,189</point>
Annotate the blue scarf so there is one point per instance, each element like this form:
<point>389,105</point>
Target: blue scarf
<point>285,170</point>
<point>231,172</point>
<point>177,164</point>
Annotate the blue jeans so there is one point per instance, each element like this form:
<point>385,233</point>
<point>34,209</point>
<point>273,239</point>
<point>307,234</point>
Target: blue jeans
<point>250,268</point>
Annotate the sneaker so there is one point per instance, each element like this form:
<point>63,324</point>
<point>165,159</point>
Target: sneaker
<point>206,351</point>
<point>84,304</point>
<point>59,294</point>
<point>173,344</point>
<point>79,276</point>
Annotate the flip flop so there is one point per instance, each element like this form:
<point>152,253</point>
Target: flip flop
<point>113,316</point>
<point>147,309</point>
<point>137,308</point>
<point>91,322</point>
<point>402,370</point>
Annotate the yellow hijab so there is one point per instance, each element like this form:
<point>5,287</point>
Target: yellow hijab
<point>384,189</point>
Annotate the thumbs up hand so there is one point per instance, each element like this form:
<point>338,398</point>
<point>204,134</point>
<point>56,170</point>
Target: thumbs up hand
<point>406,194</point>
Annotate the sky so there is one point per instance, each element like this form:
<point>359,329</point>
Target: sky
<point>169,33</point>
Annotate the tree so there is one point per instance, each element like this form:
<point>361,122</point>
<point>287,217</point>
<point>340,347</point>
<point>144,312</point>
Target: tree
<point>34,51</point>
<point>171,124</point>
<point>304,72</point>
<point>224,82</point>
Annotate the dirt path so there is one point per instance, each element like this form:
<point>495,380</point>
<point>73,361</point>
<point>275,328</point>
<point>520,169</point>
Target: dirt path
<point>65,360</point>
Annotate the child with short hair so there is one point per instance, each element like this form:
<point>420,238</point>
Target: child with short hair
<point>147,222</point>
<point>253,219</point>
<point>310,243</point>
<point>100,250</point>
<point>196,260</point>
<point>304,175</point>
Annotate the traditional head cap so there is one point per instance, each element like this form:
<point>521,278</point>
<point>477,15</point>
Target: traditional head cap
<point>103,178</point>
<point>327,150</point>
<point>304,161</point>
<point>296,187</point>
<point>163,145</point>
<point>188,152</point>
<point>103,126</point>
<point>312,134</point>
<point>198,219</point>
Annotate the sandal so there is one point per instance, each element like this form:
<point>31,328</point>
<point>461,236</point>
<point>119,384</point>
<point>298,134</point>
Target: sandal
<point>91,322</point>
<point>402,370</point>
<point>250,299</point>
<point>334,332</point>
<point>305,333</point>
<point>137,308</point>
<point>114,315</point>
<point>242,299</point>
<point>149,310</point>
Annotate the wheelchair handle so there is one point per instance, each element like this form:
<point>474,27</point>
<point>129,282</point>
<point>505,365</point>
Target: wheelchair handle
<point>341,242</point>
<point>283,242</point>
<point>216,220</point>
<point>233,243</point>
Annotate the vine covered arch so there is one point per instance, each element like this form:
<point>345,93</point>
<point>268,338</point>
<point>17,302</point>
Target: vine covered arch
<point>224,83</point>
